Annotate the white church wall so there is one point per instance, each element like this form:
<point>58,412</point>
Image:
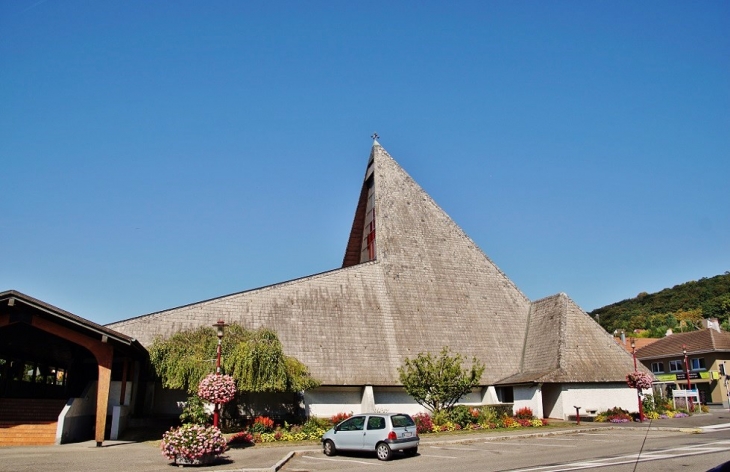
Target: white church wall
<point>528,397</point>
<point>597,397</point>
<point>328,401</point>
<point>395,400</point>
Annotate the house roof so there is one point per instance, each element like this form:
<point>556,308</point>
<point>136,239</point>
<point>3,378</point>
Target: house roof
<point>19,317</point>
<point>696,342</point>
<point>638,342</point>
<point>64,317</point>
<point>563,344</point>
<point>412,281</point>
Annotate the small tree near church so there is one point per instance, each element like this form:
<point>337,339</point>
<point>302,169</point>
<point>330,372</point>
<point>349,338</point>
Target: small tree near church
<point>438,382</point>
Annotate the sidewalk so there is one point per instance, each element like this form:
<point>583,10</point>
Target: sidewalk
<point>146,456</point>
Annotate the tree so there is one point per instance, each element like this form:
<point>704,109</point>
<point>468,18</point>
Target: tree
<point>438,382</point>
<point>255,359</point>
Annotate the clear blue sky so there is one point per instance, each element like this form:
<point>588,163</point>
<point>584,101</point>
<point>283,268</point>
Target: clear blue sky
<point>155,154</point>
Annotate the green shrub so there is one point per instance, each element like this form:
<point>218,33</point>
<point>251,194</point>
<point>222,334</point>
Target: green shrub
<point>194,412</point>
<point>488,414</point>
<point>648,403</point>
<point>440,418</point>
<point>463,415</point>
<point>502,409</point>
<point>314,424</point>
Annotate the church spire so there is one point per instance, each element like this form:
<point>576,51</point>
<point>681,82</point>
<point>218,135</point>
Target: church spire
<point>375,139</point>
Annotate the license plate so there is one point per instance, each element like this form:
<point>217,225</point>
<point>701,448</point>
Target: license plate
<point>407,434</point>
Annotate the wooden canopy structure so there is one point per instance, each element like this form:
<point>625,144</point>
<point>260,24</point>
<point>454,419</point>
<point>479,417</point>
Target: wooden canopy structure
<point>47,352</point>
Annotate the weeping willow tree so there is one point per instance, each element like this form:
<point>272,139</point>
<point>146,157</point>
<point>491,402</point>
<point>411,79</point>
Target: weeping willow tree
<point>255,359</point>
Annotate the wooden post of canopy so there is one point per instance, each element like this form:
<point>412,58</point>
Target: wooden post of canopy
<point>104,356</point>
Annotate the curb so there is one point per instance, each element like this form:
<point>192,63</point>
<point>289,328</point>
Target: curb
<point>283,461</point>
<point>278,465</point>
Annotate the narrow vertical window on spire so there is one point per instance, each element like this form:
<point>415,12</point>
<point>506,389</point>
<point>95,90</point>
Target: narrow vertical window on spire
<point>367,252</point>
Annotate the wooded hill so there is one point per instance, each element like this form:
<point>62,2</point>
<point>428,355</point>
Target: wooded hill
<point>680,308</point>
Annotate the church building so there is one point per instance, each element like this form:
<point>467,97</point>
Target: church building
<point>412,281</point>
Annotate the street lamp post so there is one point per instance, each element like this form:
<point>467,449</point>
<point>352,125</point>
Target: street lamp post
<point>638,390</point>
<point>686,372</point>
<point>219,328</point>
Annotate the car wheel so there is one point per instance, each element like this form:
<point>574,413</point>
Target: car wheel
<point>328,447</point>
<point>383,451</point>
<point>411,452</point>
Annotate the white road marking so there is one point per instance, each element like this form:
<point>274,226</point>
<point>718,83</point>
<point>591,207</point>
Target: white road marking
<point>557,439</point>
<point>716,427</point>
<point>538,444</point>
<point>718,446</point>
<point>339,460</point>
<point>440,457</point>
<point>452,448</point>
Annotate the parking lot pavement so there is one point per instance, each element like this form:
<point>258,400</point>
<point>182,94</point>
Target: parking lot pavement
<point>146,457</point>
<point>133,456</point>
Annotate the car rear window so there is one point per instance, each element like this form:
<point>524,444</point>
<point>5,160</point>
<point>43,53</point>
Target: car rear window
<point>401,421</point>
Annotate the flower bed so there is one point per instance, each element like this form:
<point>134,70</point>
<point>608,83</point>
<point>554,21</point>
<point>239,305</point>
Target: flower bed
<point>618,415</point>
<point>263,429</point>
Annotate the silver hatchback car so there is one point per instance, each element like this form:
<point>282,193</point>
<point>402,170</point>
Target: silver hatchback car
<point>379,432</point>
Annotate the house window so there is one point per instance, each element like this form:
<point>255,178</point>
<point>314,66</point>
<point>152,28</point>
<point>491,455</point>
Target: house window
<point>675,366</point>
<point>698,363</point>
<point>505,394</point>
<point>657,367</point>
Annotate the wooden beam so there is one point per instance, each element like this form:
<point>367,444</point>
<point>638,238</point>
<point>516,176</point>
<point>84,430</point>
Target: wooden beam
<point>102,392</point>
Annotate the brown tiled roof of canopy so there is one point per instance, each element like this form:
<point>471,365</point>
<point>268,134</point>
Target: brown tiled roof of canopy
<point>68,319</point>
<point>428,286</point>
<point>696,342</point>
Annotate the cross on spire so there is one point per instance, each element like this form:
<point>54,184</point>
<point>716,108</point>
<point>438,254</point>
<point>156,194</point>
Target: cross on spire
<point>375,136</point>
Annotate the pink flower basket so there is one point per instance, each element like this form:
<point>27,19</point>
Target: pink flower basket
<point>640,380</point>
<point>217,388</point>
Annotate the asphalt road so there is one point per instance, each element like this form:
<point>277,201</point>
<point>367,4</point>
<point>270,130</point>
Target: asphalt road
<point>609,450</point>
<point>664,445</point>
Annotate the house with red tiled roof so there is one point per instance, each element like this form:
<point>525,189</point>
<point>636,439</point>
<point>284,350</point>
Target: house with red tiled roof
<point>629,344</point>
<point>700,356</point>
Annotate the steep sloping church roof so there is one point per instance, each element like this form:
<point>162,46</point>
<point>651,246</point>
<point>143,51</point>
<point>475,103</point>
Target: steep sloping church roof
<point>564,344</point>
<point>412,281</point>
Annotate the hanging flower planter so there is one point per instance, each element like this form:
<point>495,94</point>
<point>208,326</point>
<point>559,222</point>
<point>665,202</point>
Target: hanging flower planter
<point>640,380</point>
<point>217,388</point>
<point>193,444</point>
